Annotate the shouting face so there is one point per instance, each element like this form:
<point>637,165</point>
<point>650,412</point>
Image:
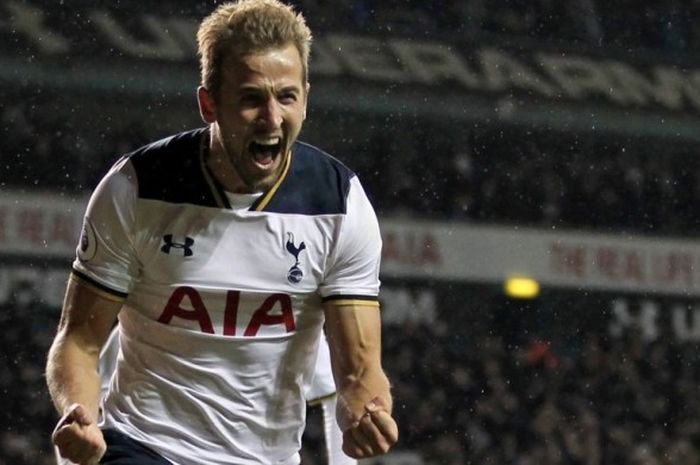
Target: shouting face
<point>255,117</point>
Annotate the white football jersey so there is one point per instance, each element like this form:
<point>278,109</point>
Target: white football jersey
<point>322,391</point>
<point>222,317</point>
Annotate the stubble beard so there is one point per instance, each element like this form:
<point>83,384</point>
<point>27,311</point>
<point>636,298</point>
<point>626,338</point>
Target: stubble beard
<point>253,182</point>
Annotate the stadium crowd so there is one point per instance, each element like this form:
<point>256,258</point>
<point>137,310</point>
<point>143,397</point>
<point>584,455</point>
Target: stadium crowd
<point>666,26</point>
<point>546,179</point>
<point>655,25</point>
<point>26,328</point>
<point>502,175</point>
<point>476,398</point>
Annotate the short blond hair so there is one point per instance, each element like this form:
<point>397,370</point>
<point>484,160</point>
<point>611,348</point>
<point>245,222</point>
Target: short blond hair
<point>248,26</point>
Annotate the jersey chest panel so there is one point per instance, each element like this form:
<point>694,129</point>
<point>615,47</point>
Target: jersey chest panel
<point>231,273</point>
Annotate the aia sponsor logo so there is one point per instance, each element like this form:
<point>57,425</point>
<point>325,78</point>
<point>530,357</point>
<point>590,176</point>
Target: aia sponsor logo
<point>272,313</point>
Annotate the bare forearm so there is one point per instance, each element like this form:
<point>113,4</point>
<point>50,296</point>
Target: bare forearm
<point>361,384</point>
<point>358,369</point>
<point>72,372</point>
<point>364,397</point>
<point>72,375</point>
<point>354,336</point>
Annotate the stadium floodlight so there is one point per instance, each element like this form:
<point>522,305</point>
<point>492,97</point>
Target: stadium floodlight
<point>521,287</point>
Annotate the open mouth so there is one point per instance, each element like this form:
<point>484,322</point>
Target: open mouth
<point>265,151</point>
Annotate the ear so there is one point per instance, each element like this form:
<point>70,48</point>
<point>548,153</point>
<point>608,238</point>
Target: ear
<point>306,98</point>
<point>207,105</point>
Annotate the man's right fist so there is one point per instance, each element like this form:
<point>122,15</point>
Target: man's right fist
<point>78,437</point>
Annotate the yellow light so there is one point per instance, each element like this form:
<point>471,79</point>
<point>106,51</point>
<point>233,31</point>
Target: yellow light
<point>520,287</point>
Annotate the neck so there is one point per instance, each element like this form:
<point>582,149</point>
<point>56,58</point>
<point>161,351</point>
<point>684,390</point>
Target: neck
<point>223,171</point>
<point>226,175</point>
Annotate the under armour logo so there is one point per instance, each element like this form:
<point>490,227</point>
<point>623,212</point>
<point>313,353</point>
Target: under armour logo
<point>294,274</point>
<point>186,247</point>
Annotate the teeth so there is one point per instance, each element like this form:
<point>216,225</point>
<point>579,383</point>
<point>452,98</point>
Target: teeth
<point>267,141</point>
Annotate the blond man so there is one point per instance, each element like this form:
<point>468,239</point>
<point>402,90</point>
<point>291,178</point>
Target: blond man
<point>223,252</point>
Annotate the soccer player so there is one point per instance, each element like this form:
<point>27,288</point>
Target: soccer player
<point>223,252</point>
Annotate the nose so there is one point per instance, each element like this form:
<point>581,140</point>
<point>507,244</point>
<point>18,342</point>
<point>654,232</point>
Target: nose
<point>270,116</point>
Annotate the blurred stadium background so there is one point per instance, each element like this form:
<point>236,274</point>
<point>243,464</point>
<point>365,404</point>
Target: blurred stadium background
<point>553,140</point>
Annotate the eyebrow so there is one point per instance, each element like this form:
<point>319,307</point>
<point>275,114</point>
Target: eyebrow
<point>291,88</point>
<point>256,89</point>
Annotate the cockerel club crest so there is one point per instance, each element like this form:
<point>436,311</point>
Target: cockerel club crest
<point>294,275</point>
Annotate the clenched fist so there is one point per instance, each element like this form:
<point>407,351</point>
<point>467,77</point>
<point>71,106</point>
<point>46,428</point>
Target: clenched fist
<point>78,438</point>
<point>374,433</point>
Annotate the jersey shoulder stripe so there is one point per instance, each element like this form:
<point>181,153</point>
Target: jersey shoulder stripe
<point>314,184</point>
